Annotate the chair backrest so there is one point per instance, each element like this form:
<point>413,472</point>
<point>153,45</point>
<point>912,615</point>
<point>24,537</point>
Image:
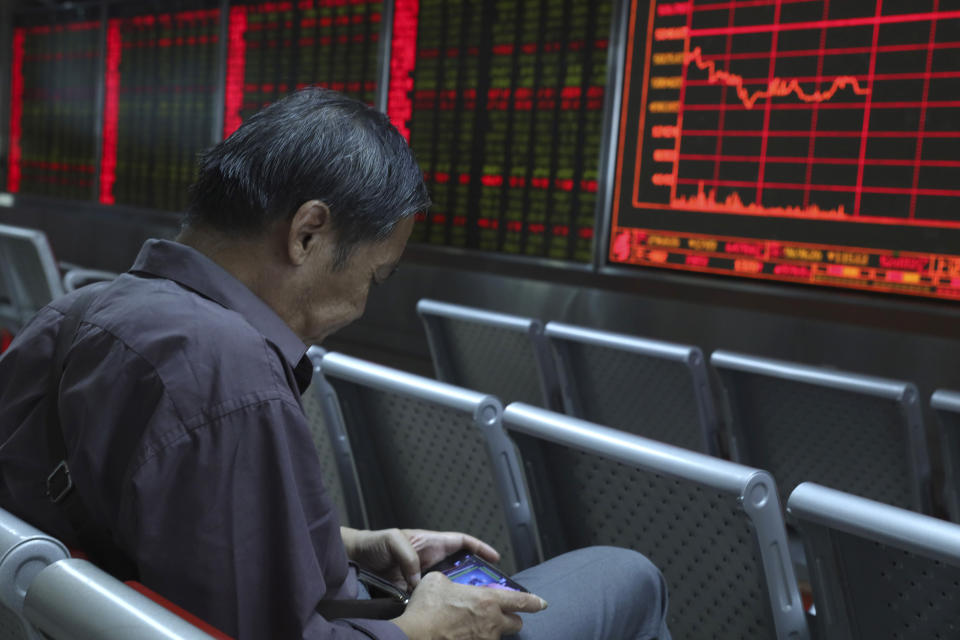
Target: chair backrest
<point>877,571</point>
<point>713,527</point>
<point>857,433</point>
<point>29,277</point>
<point>74,599</point>
<point>333,446</point>
<point>655,389</point>
<point>433,455</point>
<point>79,277</point>
<point>495,353</point>
<point>24,552</point>
<point>947,406</point>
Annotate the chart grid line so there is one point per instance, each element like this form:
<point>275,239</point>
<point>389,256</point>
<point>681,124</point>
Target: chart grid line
<point>866,110</point>
<point>923,114</point>
<point>728,49</point>
<point>771,76</point>
<point>758,118</point>
<point>876,21</point>
<point>815,110</point>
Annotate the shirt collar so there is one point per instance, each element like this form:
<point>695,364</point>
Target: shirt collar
<point>192,269</point>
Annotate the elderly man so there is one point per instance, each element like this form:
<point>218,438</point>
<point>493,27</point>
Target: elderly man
<point>179,406</point>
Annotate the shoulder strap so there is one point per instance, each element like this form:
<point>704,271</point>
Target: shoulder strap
<point>94,540</point>
<point>59,483</point>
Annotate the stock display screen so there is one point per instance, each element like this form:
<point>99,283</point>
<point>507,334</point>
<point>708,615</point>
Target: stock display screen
<point>278,47</point>
<point>53,87</point>
<point>804,141</point>
<point>160,77</point>
<point>505,114</point>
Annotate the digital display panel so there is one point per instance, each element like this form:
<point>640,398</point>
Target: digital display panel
<point>52,142</point>
<point>505,114</point>
<point>277,47</point>
<point>806,141</point>
<point>160,80</point>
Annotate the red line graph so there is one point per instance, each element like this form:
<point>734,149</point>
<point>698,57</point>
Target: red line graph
<point>816,89</point>
<point>709,201</point>
<point>776,88</point>
<point>793,109</point>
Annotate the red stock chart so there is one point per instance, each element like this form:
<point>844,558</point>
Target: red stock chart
<point>799,140</point>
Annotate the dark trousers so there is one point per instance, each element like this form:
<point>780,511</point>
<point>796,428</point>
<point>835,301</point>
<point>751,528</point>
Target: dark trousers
<point>597,593</point>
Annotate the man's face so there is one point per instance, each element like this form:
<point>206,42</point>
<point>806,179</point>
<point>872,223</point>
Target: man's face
<point>334,299</point>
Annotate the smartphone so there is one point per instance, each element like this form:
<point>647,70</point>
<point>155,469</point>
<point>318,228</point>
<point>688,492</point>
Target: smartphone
<point>466,568</point>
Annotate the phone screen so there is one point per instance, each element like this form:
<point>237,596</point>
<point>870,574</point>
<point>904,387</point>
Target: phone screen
<point>465,568</point>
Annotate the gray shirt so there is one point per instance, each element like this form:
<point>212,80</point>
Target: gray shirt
<point>180,407</point>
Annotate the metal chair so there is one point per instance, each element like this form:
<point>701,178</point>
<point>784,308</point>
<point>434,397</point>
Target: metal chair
<point>946,404</point>
<point>76,277</point>
<point>24,553</point>
<point>433,455</point>
<point>333,446</point>
<point>877,571</point>
<point>853,432</point>
<point>713,527</point>
<point>46,594</point>
<point>496,353</point>
<point>655,389</point>
<point>29,276</point>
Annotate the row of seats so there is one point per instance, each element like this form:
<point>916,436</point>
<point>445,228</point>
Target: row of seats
<point>861,434</point>
<point>431,454</point>
<point>44,593</point>
<point>535,483</point>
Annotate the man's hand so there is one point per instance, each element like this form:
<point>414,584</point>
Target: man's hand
<point>440,610</point>
<point>399,555</point>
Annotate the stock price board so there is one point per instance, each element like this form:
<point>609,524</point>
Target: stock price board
<point>505,114</point>
<point>809,142</point>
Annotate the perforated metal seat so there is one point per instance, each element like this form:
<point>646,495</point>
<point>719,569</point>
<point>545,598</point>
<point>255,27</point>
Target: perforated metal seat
<point>29,277</point>
<point>433,455</point>
<point>495,353</point>
<point>655,389</point>
<point>333,446</point>
<point>46,594</point>
<point>713,527</point>
<point>856,433</point>
<point>878,571</point>
<point>947,406</point>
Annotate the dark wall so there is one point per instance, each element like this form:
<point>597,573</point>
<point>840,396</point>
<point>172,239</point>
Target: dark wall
<point>890,337</point>
<point>882,335</point>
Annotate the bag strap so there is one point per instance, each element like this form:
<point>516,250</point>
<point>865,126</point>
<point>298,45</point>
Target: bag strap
<point>373,609</point>
<point>386,601</point>
<point>94,540</point>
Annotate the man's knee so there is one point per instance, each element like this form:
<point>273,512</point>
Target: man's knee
<point>634,573</point>
<point>636,580</point>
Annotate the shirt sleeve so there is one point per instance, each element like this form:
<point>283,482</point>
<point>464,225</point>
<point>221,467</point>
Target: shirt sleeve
<point>231,521</point>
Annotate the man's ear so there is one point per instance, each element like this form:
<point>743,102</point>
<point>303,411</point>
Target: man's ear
<point>310,229</point>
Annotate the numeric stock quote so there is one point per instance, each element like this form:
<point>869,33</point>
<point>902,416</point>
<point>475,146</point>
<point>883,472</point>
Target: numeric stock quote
<point>505,113</point>
<point>798,140</point>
